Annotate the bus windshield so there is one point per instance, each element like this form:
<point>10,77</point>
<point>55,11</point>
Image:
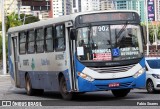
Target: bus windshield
<point>109,42</point>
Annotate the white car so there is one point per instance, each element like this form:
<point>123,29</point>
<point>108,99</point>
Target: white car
<point>152,74</point>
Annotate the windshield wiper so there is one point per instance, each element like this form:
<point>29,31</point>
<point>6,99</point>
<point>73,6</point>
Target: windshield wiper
<point>90,38</point>
<point>119,33</point>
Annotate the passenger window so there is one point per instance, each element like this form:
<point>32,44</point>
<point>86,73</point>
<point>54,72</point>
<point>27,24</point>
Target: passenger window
<point>22,43</point>
<point>40,40</point>
<point>60,38</point>
<point>31,41</point>
<point>49,39</point>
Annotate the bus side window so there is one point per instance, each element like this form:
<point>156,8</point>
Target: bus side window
<point>49,39</point>
<point>31,41</point>
<point>22,42</point>
<point>40,40</point>
<point>60,38</point>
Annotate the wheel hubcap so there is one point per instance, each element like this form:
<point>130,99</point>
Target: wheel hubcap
<point>64,88</point>
<point>150,87</point>
<point>28,85</point>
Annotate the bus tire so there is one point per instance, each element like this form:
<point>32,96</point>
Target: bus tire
<point>150,86</point>
<point>120,92</point>
<point>39,91</point>
<point>63,89</point>
<point>30,91</point>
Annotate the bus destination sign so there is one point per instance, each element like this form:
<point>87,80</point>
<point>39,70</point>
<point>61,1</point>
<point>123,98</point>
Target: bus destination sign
<point>100,17</point>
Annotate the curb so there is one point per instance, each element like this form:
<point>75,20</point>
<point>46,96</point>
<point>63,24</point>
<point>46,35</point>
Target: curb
<point>4,75</point>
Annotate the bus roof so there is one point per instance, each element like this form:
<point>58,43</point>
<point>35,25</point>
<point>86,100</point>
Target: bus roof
<point>60,19</point>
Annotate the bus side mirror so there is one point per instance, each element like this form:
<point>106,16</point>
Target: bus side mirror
<point>73,34</point>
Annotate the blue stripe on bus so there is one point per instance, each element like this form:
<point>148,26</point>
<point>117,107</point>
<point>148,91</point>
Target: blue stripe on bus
<point>11,68</point>
<point>79,66</point>
<point>9,58</point>
<point>142,62</point>
<point>129,82</point>
<point>47,80</point>
<point>66,74</point>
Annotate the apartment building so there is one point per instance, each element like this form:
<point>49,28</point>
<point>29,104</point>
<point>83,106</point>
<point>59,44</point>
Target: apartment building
<point>137,5</point>
<point>85,5</point>
<point>106,5</point>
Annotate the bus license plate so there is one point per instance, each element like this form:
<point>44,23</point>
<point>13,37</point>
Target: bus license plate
<point>114,85</point>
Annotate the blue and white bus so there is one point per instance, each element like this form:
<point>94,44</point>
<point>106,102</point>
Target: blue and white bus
<point>78,53</point>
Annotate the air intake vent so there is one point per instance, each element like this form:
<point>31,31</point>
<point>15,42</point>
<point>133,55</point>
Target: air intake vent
<point>112,69</point>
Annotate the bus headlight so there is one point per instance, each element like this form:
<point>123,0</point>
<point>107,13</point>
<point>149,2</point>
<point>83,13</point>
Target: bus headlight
<point>140,72</point>
<point>86,77</point>
<point>157,76</point>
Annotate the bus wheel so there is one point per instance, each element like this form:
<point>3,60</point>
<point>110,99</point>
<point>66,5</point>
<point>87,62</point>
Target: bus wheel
<point>29,89</point>
<point>150,86</point>
<point>39,91</point>
<point>63,89</point>
<point>120,92</point>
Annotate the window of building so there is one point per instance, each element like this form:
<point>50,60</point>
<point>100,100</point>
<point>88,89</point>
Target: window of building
<point>60,38</point>
<point>40,40</point>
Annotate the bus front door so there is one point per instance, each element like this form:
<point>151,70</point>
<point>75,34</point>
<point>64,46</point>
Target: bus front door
<point>15,50</point>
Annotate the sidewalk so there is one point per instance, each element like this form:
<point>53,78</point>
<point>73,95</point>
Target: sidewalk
<point>2,75</point>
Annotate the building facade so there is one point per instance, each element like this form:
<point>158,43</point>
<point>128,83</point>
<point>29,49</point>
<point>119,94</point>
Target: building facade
<point>106,5</point>
<point>61,7</point>
<point>157,10</point>
<point>37,8</point>
<point>85,5</point>
<point>10,6</point>
<point>138,5</point>
<point>76,6</point>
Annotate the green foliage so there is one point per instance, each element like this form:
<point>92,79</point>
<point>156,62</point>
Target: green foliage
<point>29,18</point>
<point>152,29</point>
<point>0,26</point>
<point>12,21</point>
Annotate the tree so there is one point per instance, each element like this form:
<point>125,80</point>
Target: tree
<point>151,31</point>
<point>12,21</point>
<point>0,26</point>
<point>28,18</point>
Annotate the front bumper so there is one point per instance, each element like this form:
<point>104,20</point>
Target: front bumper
<point>156,83</point>
<point>101,85</point>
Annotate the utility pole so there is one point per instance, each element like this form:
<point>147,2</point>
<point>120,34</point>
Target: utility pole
<point>19,5</point>
<point>146,8</point>
<point>3,38</point>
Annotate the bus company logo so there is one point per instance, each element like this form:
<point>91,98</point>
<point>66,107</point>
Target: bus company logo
<point>33,64</point>
<point>6,103</point>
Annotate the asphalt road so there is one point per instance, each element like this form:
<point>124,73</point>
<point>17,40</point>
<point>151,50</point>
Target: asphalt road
<point>137,98</point>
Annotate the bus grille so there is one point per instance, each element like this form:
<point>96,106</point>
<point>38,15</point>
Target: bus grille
<point>112,69</point>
